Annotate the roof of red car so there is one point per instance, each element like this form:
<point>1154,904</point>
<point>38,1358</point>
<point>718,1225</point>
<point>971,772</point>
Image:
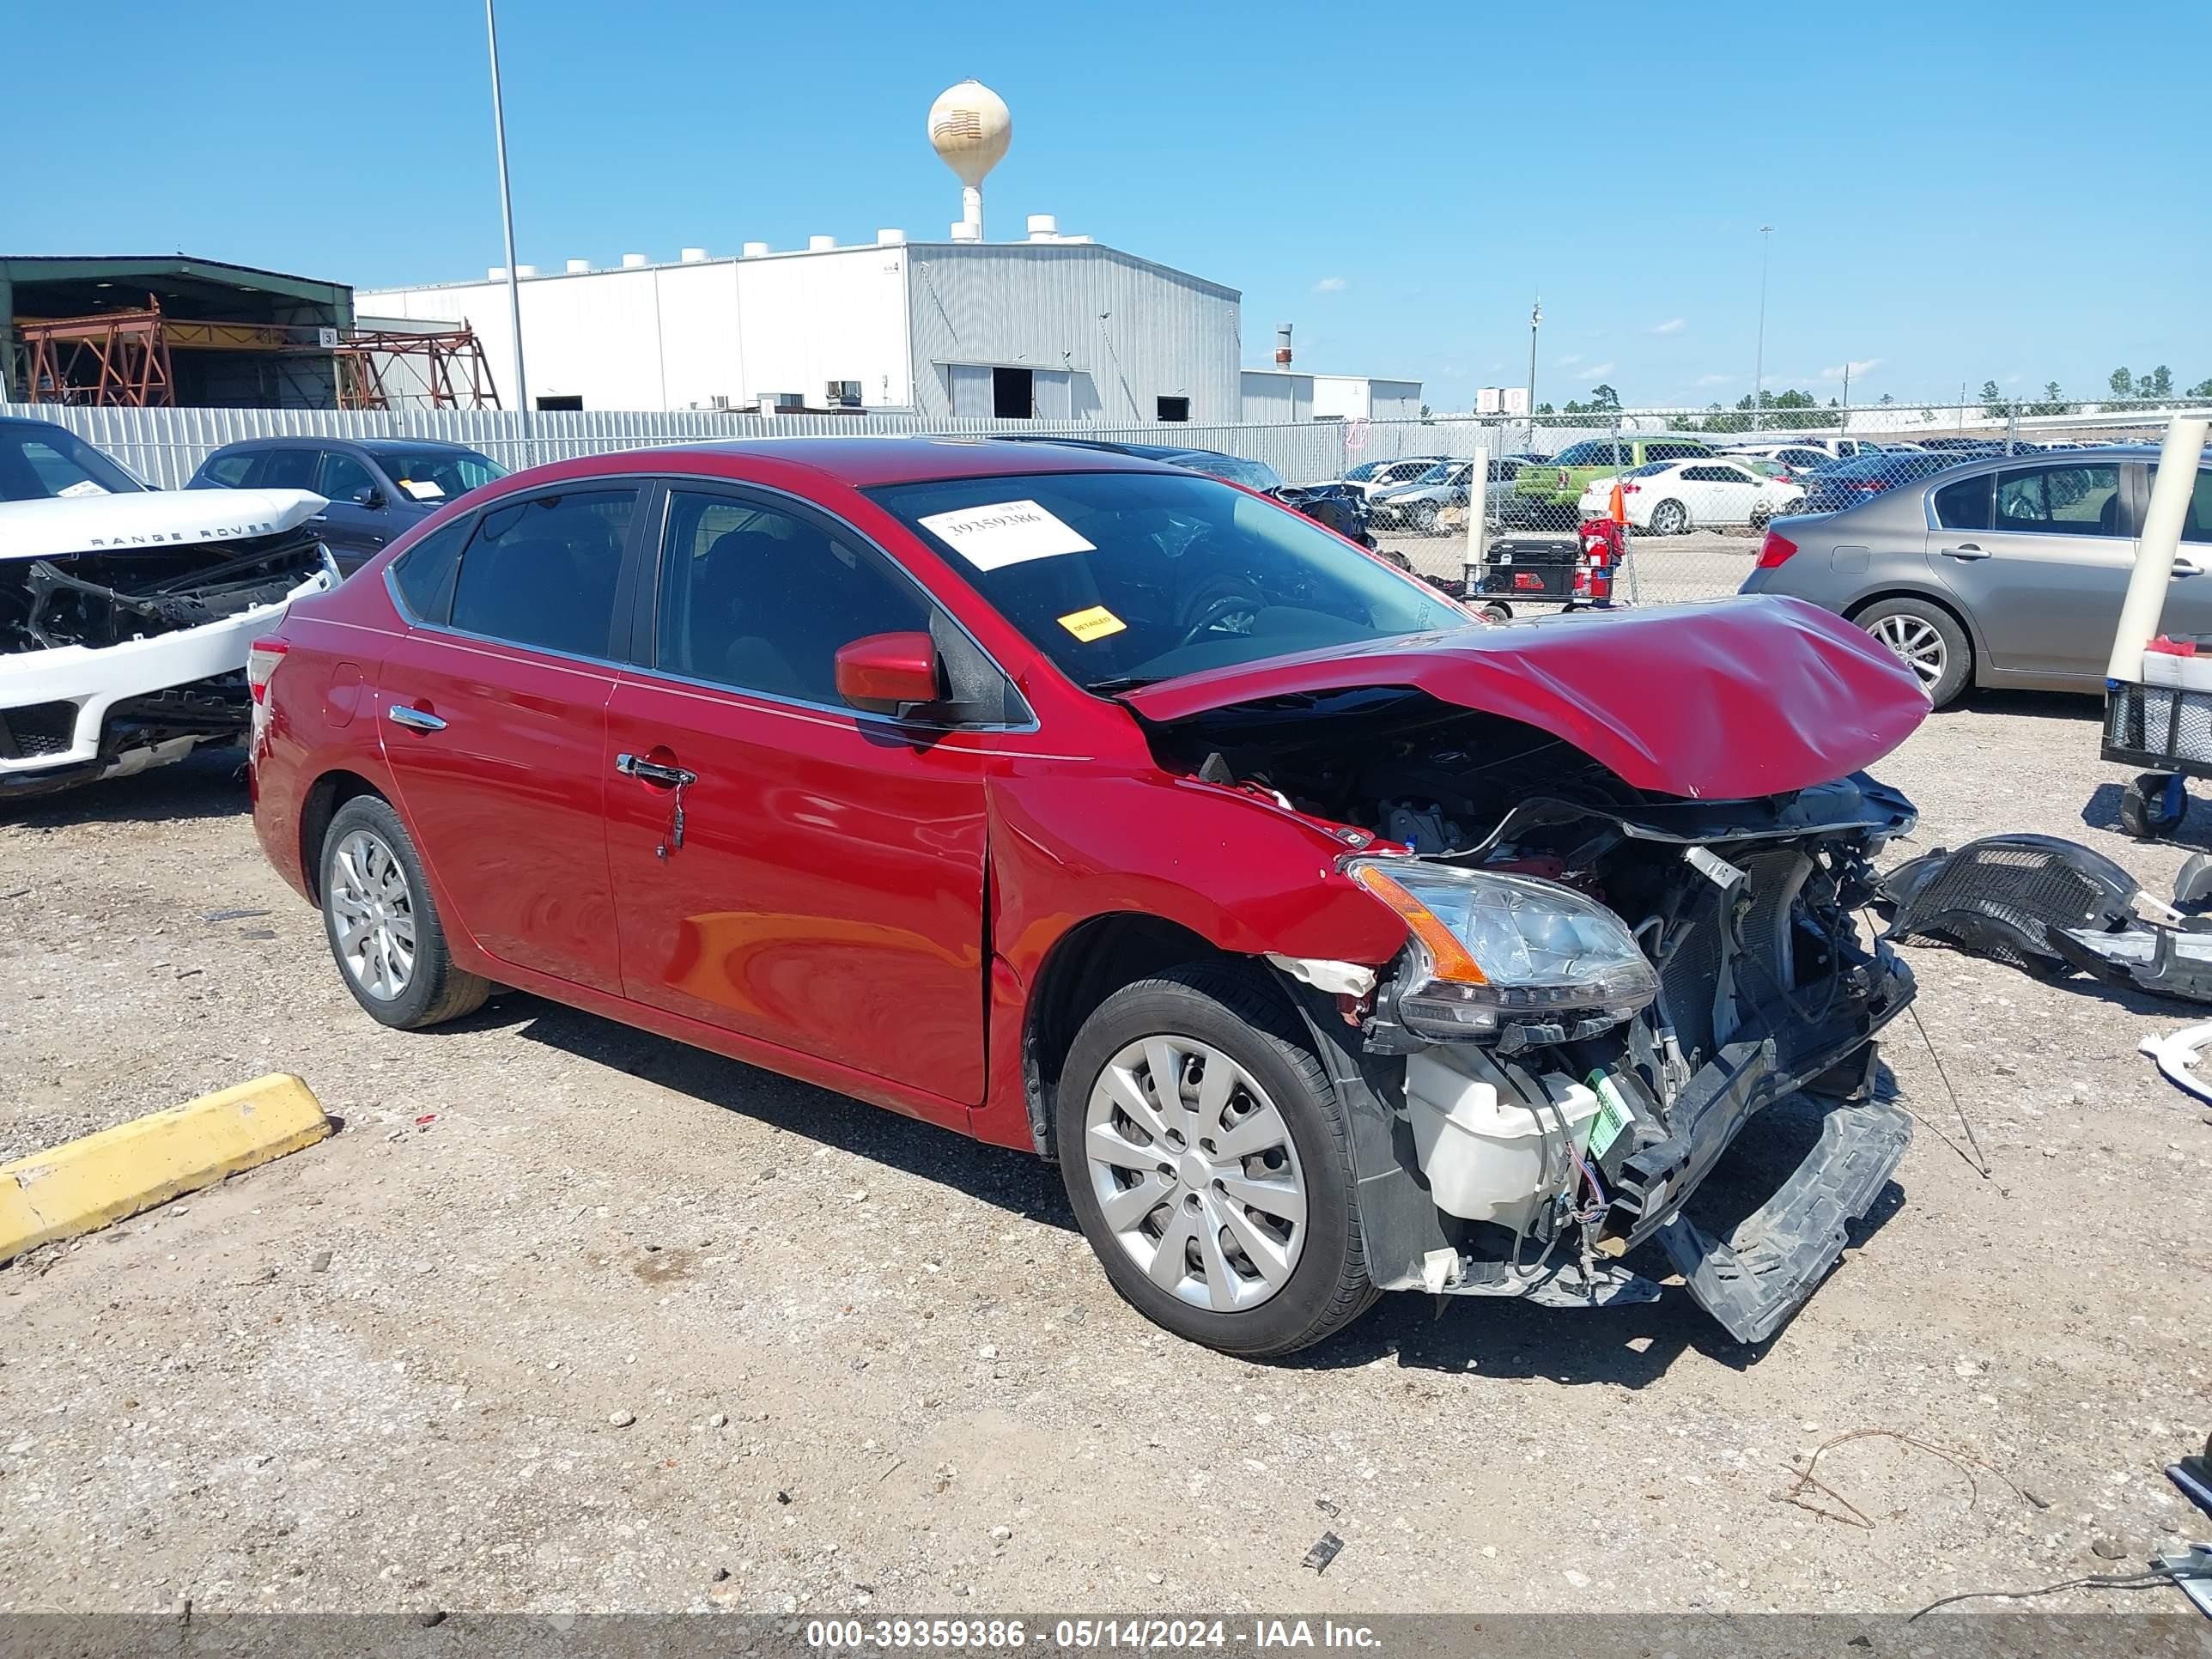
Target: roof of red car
<point>861,462</point>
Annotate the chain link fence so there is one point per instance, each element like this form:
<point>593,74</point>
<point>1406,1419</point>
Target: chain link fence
<point>1697,487</point>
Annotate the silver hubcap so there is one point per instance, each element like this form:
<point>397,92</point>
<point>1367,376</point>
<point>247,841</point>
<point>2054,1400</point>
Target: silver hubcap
<point>1917,643</point>
<point>374,910</point>
<point>1196,1173</point>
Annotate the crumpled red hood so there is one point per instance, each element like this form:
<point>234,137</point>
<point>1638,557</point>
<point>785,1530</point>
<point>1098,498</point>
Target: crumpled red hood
<point>1724,701</point>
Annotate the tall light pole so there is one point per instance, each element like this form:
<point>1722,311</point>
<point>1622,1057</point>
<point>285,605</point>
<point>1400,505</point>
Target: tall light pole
<point>1758,362</point>
<point>1536,318</point>
<point>506,215</point>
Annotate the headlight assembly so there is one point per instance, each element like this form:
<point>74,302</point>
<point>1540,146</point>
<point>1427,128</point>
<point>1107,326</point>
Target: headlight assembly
<point>1491,951</point>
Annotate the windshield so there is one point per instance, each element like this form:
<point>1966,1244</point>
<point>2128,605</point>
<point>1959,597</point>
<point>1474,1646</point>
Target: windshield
<point>1594,452</point>
<point>437,475</point>
<point>1362,472</point>
<point>39,462</point>
<point>1444,473</point>
<point>1252,474</point>
<point>1125,578</point>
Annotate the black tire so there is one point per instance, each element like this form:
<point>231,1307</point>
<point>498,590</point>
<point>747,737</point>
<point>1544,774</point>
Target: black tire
<point>435,990</point>
<point>2147,807</point>
<point>1391,555</point>
<point>1956,669</point>
<point>1498,611</point>
<point>1424,517</point>
<point>1238,1012</point>
<point>1670,518</point>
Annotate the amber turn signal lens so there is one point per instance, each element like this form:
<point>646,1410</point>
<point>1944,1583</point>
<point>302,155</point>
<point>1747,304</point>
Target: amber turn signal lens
<point>1451,958</point>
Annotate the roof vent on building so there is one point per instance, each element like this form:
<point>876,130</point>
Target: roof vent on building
<point>635,262</point>
<point>966,231</point>
<point>755,249</point>
<point>525,271</point>
<point>890,238</point>
<point>694,256</point>
<point>1043,227</point>
<point>820,243</point>
<point>1282,345</point>
<point>496,274</point>
<point>578,267</point>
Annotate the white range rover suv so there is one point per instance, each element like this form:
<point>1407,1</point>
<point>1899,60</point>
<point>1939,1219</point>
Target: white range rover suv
<point>125,612</point>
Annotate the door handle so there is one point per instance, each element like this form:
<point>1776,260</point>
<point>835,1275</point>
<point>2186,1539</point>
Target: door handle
<point>2185,566</point>
<point>1965,551</point>
<point>415,720</point>
<point>636,766</point>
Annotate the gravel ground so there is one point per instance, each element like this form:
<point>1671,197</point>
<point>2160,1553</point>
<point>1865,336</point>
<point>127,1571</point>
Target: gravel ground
<point>567,1318</point>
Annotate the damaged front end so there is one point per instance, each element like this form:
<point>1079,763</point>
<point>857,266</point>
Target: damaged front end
<point>124,622</point>
<point>1601,985</point>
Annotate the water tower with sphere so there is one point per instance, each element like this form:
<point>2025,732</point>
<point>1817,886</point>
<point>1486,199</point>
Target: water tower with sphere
<point>969,127</point>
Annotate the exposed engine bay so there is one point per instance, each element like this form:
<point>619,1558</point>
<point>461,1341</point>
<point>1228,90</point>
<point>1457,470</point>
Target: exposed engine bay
<point>1604,985</point>
<point>103,598</point>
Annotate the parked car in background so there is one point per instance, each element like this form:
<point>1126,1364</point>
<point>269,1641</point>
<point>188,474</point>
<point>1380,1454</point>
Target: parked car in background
<point>1672,498</point>
<point>1090,807</point>
<point>1342,509</point>
<point>375,488</point>
<point>125,612</point>
<point>1414,505</point>
<point>1369,476</point>
<point>1549,497</point>
<point>1831,446</point>
<point>2000,573</point>
<point>1797,458</point>
<point>1847,483</point>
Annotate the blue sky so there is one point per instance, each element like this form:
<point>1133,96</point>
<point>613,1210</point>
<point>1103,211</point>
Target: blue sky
<point>1960,192</point>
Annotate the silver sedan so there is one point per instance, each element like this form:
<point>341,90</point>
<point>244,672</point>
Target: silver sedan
<point>2002,572</point>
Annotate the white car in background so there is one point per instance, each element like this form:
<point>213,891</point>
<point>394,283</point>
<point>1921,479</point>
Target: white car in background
<point>1672,498</point>
<point>125,612</point>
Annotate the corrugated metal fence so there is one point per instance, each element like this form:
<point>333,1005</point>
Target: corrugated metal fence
<point>164,446</point>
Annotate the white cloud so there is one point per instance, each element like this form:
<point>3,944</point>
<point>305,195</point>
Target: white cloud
<point>1855,367</point>
<point>1715,379</point>
<point>1605,368</point>
<point>1331,285</point>
<point>1672,325</point>
<point>1570,360</point>
<point>2015,379</point>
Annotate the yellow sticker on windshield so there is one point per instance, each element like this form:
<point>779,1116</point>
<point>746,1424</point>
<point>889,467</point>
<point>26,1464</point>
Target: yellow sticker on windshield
<point>1096,623</point>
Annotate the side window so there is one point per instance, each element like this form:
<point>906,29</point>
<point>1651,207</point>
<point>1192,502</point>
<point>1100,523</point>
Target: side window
<point>2196,525</point>
<point>542,571</point>
<point>341,477</point>
<point>1963,505</point>
<point>285,468</point>
<point>230,472</point>
<point>760,600</point>
<point>2060,501</point>
<point>424,573</point>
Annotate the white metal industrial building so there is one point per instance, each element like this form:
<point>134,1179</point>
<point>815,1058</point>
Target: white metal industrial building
<point>1053,327</point>
<point>1271,396</point>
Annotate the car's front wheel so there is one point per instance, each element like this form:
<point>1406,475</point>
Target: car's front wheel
<point>1209,1162</point>
<point>383,925</point>
<point>1927,640</point>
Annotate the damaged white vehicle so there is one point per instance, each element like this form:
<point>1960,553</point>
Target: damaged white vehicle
<point>125,612</point>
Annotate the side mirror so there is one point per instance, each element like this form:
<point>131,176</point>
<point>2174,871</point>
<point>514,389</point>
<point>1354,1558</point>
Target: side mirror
<point>368,496</point>
<point>884,673</point>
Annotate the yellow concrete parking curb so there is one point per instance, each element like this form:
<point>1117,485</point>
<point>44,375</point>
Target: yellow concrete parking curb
<point>82,1185</point>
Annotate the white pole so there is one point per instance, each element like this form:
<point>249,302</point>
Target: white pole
<point>1758,360</point>
<point>2169,490</point>
<point>506,215</point>
<point>1478,516</point>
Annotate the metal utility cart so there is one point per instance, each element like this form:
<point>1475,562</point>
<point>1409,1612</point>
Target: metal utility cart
<point>1576,575</point>
<point>2158,708</point>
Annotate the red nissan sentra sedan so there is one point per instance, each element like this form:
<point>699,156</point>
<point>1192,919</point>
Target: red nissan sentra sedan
<point>1331,940</point>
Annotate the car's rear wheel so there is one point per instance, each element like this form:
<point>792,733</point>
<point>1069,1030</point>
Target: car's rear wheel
<point>383,925</point>
<point>1927,640</point>
<point>1671,519</point>
<point>1209,1162</point>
